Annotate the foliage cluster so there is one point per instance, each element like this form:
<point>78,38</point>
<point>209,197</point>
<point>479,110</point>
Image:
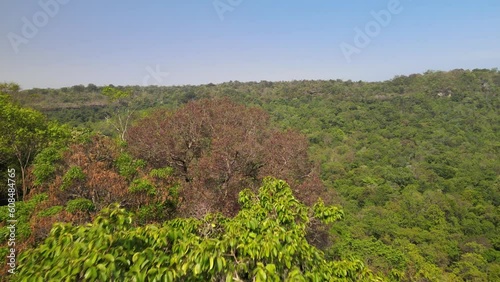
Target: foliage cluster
<point>80,205</point>
<point>264,242</point>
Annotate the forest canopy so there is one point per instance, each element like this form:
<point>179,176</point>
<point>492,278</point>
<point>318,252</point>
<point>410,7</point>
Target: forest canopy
<point>412,162</point>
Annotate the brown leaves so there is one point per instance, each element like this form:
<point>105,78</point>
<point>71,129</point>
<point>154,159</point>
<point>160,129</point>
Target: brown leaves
<point>219,148</point>
<point>101,183</point>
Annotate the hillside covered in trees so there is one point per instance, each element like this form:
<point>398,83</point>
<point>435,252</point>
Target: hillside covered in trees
<point>257,181</point>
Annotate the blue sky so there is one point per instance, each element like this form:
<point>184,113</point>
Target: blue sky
<point>138,42</point>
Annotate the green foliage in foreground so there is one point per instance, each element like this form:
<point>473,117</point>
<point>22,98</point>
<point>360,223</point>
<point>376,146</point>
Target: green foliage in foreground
<point>264,242</point>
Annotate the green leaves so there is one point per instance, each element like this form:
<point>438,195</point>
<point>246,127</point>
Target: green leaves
<point>114,93</point>
<point>164,172</point>
<point>74,174</point>
<point>327,214</point>
<point>264,242</point>
<point>50,211</point>
<point>44,164</point>
<point>9,87</point>
<point>25,132</point>
<point>128,166</point>
<point>142,185</point>
<point>79,204</point>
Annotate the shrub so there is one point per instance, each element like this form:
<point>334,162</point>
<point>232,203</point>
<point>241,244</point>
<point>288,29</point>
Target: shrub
<point>142,185</point>
<point>74,173</point>
<point>127,166</point>
<point>43,165</point>
<point>161,172</point>
<point>155,212</point>
<point>50,211</point>
<point>80,204</point>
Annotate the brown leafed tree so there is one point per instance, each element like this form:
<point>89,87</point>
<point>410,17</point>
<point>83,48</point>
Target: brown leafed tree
<point>95,177</point>
<point>218,148</point>
<point>89,170</point>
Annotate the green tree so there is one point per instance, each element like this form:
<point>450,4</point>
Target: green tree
<point>25,132</point>
<point>120,121</point>
<point>265,241</point>
<point>9,87</point>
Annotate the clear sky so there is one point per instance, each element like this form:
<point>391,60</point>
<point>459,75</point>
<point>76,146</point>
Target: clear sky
<point>68,42</point>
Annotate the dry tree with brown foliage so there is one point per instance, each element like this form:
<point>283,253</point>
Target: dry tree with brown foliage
<point>218,148</point>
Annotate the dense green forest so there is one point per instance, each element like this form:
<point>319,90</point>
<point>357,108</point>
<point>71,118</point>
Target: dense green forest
<point>257,181</point>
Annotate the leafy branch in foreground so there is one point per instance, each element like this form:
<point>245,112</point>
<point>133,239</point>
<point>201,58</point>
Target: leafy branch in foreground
<point>265,241</point>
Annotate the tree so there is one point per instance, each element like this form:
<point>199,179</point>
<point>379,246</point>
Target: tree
<point>264,242</point>
<point>121,119</point>
<point>24,133</point>
<point>94,170</point>
<point>217,147</point>
<point>9,87</point>
<point>92,87</point>
<point>87,172</point>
